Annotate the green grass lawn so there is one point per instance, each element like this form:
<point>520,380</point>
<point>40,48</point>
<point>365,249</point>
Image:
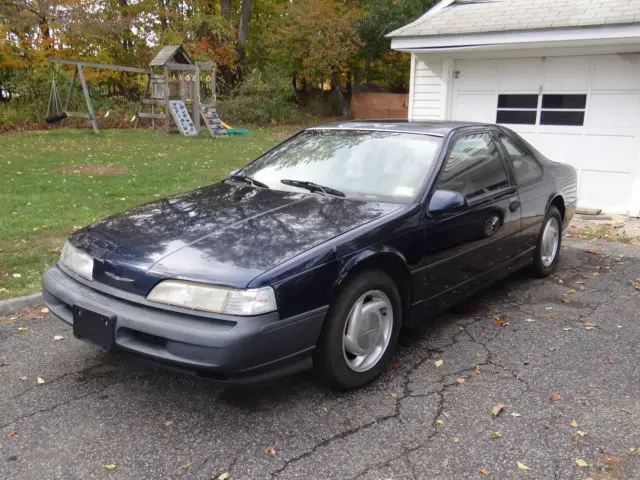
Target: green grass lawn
<point>54,181</point>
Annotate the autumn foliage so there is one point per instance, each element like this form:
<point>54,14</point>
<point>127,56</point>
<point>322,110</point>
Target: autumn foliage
<point>306,45</point>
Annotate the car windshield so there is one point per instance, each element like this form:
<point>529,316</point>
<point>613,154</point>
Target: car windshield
<point>368,165</point>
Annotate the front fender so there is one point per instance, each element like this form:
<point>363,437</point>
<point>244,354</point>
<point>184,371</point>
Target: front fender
<point>368,256</point>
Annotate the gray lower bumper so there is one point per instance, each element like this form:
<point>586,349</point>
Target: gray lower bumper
<point>227,348</point>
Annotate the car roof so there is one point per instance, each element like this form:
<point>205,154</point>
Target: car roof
<point>435,128</point>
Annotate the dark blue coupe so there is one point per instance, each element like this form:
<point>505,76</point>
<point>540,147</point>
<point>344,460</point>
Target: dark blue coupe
<point>316,253</point>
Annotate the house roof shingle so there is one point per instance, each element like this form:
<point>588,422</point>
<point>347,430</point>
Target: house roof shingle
<point>484,16</point>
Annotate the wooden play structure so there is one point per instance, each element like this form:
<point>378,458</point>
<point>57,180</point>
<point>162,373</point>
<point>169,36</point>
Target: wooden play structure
<point>172,99</point>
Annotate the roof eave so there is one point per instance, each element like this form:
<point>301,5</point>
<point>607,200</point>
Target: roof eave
<point>621,32</point>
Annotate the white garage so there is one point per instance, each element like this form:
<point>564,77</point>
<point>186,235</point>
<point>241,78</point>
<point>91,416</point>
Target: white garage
<point>564,74</point>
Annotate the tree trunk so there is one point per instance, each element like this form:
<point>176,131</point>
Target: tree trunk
<point>127,41</point>
<point>243,27</point>
<point>225,9</point>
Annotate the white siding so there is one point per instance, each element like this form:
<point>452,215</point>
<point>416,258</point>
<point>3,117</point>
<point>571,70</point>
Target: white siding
<point>428,93</point>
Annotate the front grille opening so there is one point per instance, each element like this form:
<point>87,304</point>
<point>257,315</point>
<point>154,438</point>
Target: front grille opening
<point>146,338</point>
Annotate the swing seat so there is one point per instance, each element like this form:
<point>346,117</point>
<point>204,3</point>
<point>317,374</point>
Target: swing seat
<point>56,117</point>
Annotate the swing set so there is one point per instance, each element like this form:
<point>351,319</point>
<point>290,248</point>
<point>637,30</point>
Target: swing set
<point>171,99</point>
<point>57,112</point>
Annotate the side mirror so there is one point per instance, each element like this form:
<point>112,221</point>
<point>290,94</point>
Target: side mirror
<point>447,201</point>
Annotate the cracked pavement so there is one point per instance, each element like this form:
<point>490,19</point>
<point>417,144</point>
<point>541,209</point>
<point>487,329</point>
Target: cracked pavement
<point>418,421</point>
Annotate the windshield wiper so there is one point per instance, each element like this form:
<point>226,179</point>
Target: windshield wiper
<point>247,179</point>
<point>313,187</point>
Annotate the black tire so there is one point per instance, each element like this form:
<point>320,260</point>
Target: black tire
<point>539,268</point>
<point>330,363</point>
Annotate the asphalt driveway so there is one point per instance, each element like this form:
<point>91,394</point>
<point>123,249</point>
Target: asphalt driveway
<point>561,354</point>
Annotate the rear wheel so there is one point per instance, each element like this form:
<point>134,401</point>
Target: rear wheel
<point>361,331</point>
<point>547,253</point>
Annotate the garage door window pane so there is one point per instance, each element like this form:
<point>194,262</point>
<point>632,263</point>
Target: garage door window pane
<point>559,117</point>
<point>473,167</point>
<point>564,101</point>
<point>517,101</point>
<point>523,117</point>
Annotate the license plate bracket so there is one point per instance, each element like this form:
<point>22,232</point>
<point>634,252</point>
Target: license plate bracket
<point>93,327</point>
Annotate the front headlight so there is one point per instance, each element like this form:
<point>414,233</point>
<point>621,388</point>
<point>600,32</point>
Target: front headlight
<point>77,261</point>
<point>200,296</point>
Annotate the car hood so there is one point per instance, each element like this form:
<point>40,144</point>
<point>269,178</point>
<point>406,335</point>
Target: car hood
<point>225,234</point>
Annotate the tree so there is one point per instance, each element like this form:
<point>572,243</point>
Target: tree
<point>376,61</point>
<point>315,42</point>
<point>243,25</point>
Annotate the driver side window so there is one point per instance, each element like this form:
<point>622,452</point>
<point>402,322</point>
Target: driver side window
<point>473,167</point>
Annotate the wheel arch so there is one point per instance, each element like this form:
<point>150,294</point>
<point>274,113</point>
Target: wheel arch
<point>558,202</point>
<point>381,258</point>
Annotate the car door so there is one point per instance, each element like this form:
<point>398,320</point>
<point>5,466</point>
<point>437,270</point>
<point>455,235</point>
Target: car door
<point>465,246</point>
<point>533,189</point>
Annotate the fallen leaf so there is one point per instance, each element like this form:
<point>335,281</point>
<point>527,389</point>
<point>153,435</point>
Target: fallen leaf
<point>612,362</point>
<point>581,463</point>
<point>612,459</point>
<point>567,329</point>
<point>460,380</point>
<point>223,476</point>
<point>574,438</point>
<point>514,414</point>
<point>522,466</point>
<point>44,310</point>
<point>111,466</point>
<point>271,451</point>
<point>590,325</point>
<point>22,379</point>
<point>11,433</point>
<point>529,320</point>
<point>500,320</point>
<point>17,275</point>
<point>40,380</point>
<point>394,365</point>
<point>478,370</point>
<point>456,440</point>
<point>571,291</point>
<point>555,396</point>
<point>564,300</point>
<point>445,463</point>
<point>393,395</point>
<point>596,274</point>
<point>168,423</point>
<point>497,409</point>
<point>593,252</point>
<point>438,363</point>
<point>23,329</point>
<point>484,471</point>
<point>495,435</point>
<point>548,308</point>
<point>186,466</point>
<point>574,424</point>
<point>439,422</point>
<point>58,337</point>
<point>581,433</point>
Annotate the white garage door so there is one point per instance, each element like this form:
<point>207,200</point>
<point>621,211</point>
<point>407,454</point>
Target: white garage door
<point>582,110</point>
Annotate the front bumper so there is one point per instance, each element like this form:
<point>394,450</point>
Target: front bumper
<point>223,347</point>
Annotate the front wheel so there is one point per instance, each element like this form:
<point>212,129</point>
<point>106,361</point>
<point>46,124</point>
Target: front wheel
<point>361,331</point>
<point>547,253</point>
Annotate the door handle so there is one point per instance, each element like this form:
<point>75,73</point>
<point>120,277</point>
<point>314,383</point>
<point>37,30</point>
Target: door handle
<point>513,206</point>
